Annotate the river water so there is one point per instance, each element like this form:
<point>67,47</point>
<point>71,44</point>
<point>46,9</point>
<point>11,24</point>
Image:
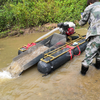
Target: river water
<point>65,83</point>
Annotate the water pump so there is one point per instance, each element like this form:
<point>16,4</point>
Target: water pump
<point>67,28</point>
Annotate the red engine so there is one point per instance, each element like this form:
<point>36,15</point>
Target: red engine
<point>66,28</point>
<point>70,31</point>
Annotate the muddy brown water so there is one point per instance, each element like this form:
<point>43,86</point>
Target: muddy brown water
<point>65,83</point>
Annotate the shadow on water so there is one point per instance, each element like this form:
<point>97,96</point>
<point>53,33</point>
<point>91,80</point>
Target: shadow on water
<point>65,83</point>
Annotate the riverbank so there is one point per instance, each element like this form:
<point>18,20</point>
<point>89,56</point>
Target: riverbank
<point>43,28</point>
<point>38,29</point>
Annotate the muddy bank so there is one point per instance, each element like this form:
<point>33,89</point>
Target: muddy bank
<point>38,29</point>
<point>44,28</point>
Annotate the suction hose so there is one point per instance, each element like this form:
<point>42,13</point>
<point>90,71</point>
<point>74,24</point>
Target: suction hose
<point>39,39</point>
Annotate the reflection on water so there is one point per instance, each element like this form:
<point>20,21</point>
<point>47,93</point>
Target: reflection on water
<point>65,83</point>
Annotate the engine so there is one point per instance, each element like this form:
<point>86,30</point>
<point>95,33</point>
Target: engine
<point>66,28</point>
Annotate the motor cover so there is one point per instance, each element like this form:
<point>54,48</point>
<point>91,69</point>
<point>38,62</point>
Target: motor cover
<point>70,31</point>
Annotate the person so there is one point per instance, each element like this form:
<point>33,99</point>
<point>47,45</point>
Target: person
<point>91,15</point>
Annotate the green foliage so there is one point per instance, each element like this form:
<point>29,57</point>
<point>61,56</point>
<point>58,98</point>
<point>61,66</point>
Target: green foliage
<point>26,13</point>
<point>4,33</point>
<point>2,2</point>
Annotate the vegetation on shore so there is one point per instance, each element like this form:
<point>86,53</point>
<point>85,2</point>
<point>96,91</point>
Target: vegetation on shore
<point>17,14</point>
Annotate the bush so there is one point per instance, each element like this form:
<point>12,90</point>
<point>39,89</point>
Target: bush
<point>26,13</point>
